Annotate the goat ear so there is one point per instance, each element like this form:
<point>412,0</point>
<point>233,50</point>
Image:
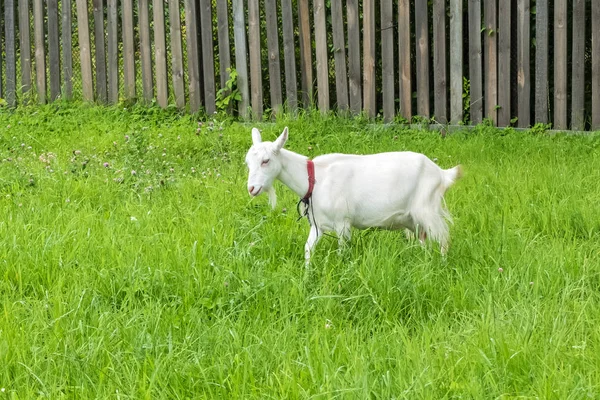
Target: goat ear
<point>256,139</point>
<point>281,140</point>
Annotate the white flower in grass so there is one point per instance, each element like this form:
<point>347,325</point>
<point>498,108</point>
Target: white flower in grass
<point>133,218</point>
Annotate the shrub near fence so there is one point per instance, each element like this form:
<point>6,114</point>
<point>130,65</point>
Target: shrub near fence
<point>459,61</point>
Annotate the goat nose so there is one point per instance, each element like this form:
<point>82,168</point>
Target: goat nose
<point>251,189</point>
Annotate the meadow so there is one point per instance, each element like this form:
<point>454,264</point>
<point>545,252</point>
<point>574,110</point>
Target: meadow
<point>134,264</point>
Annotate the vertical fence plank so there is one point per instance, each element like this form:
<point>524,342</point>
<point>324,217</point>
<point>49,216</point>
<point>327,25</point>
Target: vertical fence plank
<point>578,67</point>
<point>241,63</point>
<point>128,50</point>
<point>523,68</point>
<point>595,65</point>
<point>541,61</point>
<point>101,94</point>
<point>67,49</point>
<point>422,46</point>
<point>387,60</point>
<point>405,89</point>
<point>112,46</point>
<point>53,49</point>
<point>504,30</point>
<point>305,53</point>
<point>25,46</point>
<point>490,60</point>
<point>84,50</point>
<point>369,58</point>
<point>439,61</point>
<point>11,61</point>
<point>353,56</point>
<point>145,50</point>
<point>160,53</point>
<point>208,59</point>
<point>560,64</point>
<point>40,52</point>
<point>255,61</point>
<point>176,53</point>
<point>223,40</point>
<point>192,55</point>
<point>274,56</point>
<point>291,88</point>
<point>321,55</point>
<point>339,52</point>
<point>475,72</point>
<point>456,61</point>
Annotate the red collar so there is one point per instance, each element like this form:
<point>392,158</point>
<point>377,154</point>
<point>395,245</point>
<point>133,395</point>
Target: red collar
<point>310,167</point>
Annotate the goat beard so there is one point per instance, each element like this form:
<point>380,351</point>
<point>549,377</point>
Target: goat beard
<point>272,197</point>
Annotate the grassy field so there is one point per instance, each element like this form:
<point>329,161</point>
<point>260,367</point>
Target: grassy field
<point>133,264</point>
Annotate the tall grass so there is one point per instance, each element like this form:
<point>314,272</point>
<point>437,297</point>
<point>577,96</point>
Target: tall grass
<point>133,264</point>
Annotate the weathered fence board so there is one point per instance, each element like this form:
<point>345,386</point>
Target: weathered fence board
<point>422,48</point>
<point>255,59</point>
<point>578,67</point>
<point>475,73</point>
<point>53,49</point>
<point>523,68</point>
<point>100,66</point>
<point>25,46</point>
<point>67,49</point>
<point>176,53</point>
<point>560,64</point>
<point>241,63</point>
<point>321,55</point>
<point>208,60</point>
<point>11,55</point>
<point>192,56</point>
<point>85,55</point>
<point>456,61</point>
<point>274,56</point>
<point>160,54</point>
<point>145,50</point>
<point>223,39</point>
<point>490,60</point>
<point>354,76</point>
<point>289,54</point>
<point>128,50</point>
<point>595,65</point>
<point>305,53</point>
<point>405,89</point>
<point>387,56</point>
<point>369,105</point>
<point>112,49</point>
<point>504,76</point>
<point>541,62</point>
<point>339,52</point>
<point>439,61</point>
<point>40,52</point>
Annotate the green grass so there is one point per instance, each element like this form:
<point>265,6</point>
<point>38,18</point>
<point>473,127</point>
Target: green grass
<point>173,283</point>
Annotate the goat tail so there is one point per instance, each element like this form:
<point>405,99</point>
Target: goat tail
<point>452,175</point>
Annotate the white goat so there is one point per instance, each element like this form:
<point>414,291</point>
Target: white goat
<point>387,190</point>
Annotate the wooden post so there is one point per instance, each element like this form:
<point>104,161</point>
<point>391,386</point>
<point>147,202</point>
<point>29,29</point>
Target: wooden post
<point>87,83</point>
<point>491,64</point>
<point>208,61</point>
<point>578,67</point>
<point>369,58</point>
<point>523,84</point>
<point>273,52</point>
<point>11,59</point>
<point>422,38</point>
<point>145,50</point>
<point>387,60</point>
<point>541,61</point>
<point>53,49</point>
<point>339,53</point>
<point>475,72</point>
<point>354,56</point>
<point>128,50</point>
<point>560,64</point>
<point>456,61</point>
<point>241,62</point>
<point>255,59</point>
<point>595,65</point>
<point>404,69</point>
<point>113,63</point>
<point>291,86</point>
<point>321,56</point>
<point>504,24</point>
<point>192,53</point>
<point>67,46</point>
<point>100,51</point>
<point>305,53</point>
<point>176,53</point>
<point>25,46</point>
<point>439,61</point>
<point>223,37</point>
<point>40,53</point>
<point>160,54</point>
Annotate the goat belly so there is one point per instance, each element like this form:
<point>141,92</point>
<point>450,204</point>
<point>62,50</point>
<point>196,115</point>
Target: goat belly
<point>393,221</point>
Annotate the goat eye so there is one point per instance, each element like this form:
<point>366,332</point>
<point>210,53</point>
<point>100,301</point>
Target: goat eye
<point>265,162</point>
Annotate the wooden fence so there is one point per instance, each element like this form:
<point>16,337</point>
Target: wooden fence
<point>451,60</point>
